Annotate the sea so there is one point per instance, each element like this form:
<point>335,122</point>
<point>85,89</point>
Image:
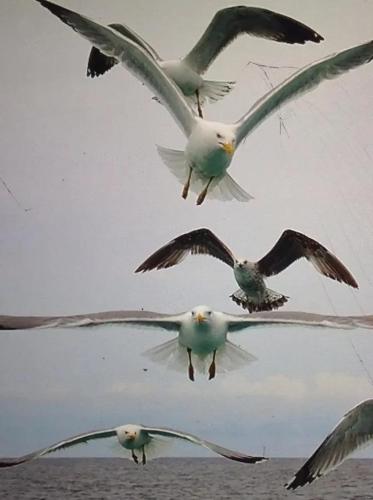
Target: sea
<point>178,478</point>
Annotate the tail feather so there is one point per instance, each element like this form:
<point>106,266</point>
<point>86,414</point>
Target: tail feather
<point>272,300</point>
<point>222,188</point>
<point>214,91</point>
<point>175,357</point>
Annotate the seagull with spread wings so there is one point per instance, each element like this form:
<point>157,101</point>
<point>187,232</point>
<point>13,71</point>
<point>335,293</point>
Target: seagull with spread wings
<point>202,166</point>
<point>226,25</point>
<point>136,438</point>
<point>201,343</point>
<point>253,293</point>
<point>353,432</point>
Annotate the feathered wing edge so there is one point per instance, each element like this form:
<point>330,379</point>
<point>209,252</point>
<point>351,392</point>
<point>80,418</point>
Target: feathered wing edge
<point>302,81</point>
<point>61,445</point>
<point>135,318</point>
<point>199,241</point>
<point>225,452</point>
<point>229,23</point>
<point>350,434</point>
<point>294,318</point>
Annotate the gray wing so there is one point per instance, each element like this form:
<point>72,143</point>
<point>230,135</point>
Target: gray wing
<point>229,23</point>
<point>98,63</point>
<point>61,445</point>
<point>199,241</point>
<point>301,82</point>
<point>353,432</point>
<point>140,318</point>
<point>238,322</point>
<point>224,452</point>
<point>133,57</point>
<point>292,246</point>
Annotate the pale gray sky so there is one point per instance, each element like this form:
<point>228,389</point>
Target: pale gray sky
<point>81,154</point>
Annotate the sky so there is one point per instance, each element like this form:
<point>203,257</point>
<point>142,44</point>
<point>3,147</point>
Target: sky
<point>93,200</point>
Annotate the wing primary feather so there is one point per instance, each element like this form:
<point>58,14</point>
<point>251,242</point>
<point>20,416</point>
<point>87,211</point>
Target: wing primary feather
<point>61,445</point>
<point>199,241</point>
<point>292,246</point>
<point>227,24</point>
<point>220,450</point>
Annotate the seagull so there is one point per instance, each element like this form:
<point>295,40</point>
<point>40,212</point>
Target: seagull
<point>202,166</point>
<point>253,293</point>
<point>201,342</point>
<point>226,25</point>
<point>136,438</point>
<point>354,431</point>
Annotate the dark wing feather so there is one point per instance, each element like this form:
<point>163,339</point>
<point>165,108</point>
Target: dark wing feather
<point>224,452</point>
<point>61,445</point>
<point>353,432</point>
<point>229,23</point>
<point>200,241</point>
<point>98,63</point>
<point>292,246</point>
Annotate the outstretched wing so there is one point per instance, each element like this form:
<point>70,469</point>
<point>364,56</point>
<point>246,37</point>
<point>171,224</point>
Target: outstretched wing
<point>133,57</point>
<point>238,322</point>
<point>140,318</point>
<point>224,452</point>
<point>61,445</point>
<point>98,63</point>
<point>292,246</point>
<point>199,241</point>
<point>229,23</point>
<point>301,82</point>
<point>353,432</point>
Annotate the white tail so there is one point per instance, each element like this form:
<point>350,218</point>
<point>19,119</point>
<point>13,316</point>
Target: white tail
<point>211,91</point>
<point>222,188</point>
<point>174,356</point>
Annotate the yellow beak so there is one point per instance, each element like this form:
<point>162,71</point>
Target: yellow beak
<point>200,318</point>
<point>228,147</point>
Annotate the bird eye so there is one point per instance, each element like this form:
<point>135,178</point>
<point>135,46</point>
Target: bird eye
<point>245,261</point>
<point>193,313</point>
<point>219,136</point>
<point>208,313</point>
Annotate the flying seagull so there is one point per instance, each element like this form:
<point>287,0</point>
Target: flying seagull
<point>201,343</point>
<point>354,431</point>
<point>202,166</point>
<point>253,294</point>
<point>136,438</point>
<point>226,25</point>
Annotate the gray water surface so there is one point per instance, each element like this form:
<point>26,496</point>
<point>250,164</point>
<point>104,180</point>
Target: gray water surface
<point>178,478</point>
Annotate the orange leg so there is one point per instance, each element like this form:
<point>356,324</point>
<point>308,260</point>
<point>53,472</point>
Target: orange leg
<point>187,185</point>
<point>203,194</point>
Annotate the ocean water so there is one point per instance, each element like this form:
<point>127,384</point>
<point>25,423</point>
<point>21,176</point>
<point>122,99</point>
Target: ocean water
<point>178,478</point>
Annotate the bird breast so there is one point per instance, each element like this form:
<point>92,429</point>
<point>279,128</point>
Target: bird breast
<point>248,278</point>
<point>202,338</point>
<point>204,153</point>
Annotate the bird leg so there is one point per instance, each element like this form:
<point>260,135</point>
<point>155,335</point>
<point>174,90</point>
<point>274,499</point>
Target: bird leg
<point>203,194</point>
<point>143,456</point>
<point>187,185</point>
<point>212,368</point>
<point>199,107</point>
<point>135,459</point>
<point>190,368</point>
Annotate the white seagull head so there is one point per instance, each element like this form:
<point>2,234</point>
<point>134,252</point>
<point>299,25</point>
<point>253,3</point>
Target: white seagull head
<point>202,315</point>
<point>128,433</point>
